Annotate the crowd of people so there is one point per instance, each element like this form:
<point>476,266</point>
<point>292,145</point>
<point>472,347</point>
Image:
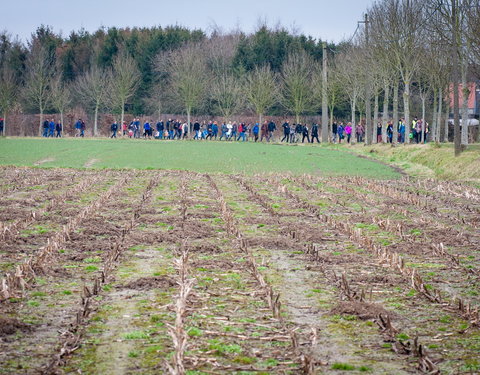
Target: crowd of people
<point>228,131</point>
<point>52,128</point>
<point>414,133</point>
<point>233,131</point>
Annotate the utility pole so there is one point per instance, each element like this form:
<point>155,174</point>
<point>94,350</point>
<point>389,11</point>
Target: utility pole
<point>368,107</point>
<point>324,97</point>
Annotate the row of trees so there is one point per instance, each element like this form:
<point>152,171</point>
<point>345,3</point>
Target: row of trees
<point>128,69</point>
<point>410,49</point>
<point>406,46</point>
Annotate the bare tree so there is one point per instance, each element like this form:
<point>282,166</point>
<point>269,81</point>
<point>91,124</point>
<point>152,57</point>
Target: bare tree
<point>39,75</point>
<point>397,26</point>
<point>91,90</point>
<point>187,75</point>
<point>61,96</point>
<point>297,84</point>
<point>335,91</point>
<point>226,93</point>
<point>261,90</point>
<point>123,81</point>
<point>158,99</point>
<point>350,75</point>
<point>8,93</point>
<point>449,21</point>
<point>226,89</point>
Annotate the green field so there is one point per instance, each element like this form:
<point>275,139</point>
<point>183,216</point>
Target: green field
<point>211,157</point>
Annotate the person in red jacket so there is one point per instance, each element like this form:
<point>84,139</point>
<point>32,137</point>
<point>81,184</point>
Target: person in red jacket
<point>264,131</point>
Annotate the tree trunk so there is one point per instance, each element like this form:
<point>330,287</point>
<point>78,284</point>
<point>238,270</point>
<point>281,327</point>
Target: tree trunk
<point>122,117</point>
<point>95,125</point>
<point>260,119</point>
<point>423,118</point>
<point>447,114</point>
<point>324,97</point>
<point>455,76</point>
<point>433,130</point>
<point>375,119</point>
<point>439,114</point>
<point>406,107</point>
<point>466,94</point>
<point>385,113</point>
<point>5,123</point>
<point>368,116</point>
<point>61,121</point>
<point>395,113</point>
<point>188,117</point>
<point>297,118</point>
<point>354,105</point>
<point>41,121</point>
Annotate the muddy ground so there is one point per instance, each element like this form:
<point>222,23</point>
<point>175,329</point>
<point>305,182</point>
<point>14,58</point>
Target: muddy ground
<point>292,275</point>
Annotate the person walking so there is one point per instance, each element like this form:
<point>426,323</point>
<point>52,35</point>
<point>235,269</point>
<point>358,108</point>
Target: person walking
<point>78,126</point>
<point>196,130</point>
<point>1,126</point>
<point>286,131</point>
<point>124,129</point>
<point>233,136</point>
<point>58,129</point>
<point>147,130</point>
<point>292,134</point>
<point>401,131</point>
<point>215,130</point>
<point>271,131</point>
<point>241,132</point>
<point>82,129</point>
<point>340,131</point>
<point>51,128</point>
<point>114,129</point>
<point>305,133</point>
<point>298,131</point>
<point>45,128</point>
<point>315,132</point>
<point>264,131</point>
<point>348,131</point>
<point>359,132</point>
<point>379,132</point>
<point>390,132</point>
<point>160,128</point>
<point>255,131</point>
<point>334,132</point>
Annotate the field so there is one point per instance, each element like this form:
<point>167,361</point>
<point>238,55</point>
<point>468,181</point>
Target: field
<point>109,271</point>
<point>204,157</point>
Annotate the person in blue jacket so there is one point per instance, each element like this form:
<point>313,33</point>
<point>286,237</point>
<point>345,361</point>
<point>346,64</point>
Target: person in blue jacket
<point>147,130</point>
<point>51,128</point>
<point>215,129</point>
<point>255,130</point>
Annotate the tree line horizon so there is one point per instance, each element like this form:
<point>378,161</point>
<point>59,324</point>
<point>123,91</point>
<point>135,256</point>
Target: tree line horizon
<point>269,72</point>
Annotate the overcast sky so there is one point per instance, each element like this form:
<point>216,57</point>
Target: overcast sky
<point>331,20</point>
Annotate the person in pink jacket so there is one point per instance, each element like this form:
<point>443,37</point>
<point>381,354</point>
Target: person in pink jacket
<point>348,131</point>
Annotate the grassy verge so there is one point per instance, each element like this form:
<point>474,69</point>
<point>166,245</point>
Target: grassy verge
<point>428,160</point>
<point>206,157</point>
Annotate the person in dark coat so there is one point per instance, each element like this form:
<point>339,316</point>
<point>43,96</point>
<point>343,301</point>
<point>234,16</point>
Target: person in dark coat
<point>114,129</point>
<point>58,129</point>
<point>286,131</point>
<point>305,133</point>
<point>271,130</point>
<point>315,133</point>
<point>45,128</point>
